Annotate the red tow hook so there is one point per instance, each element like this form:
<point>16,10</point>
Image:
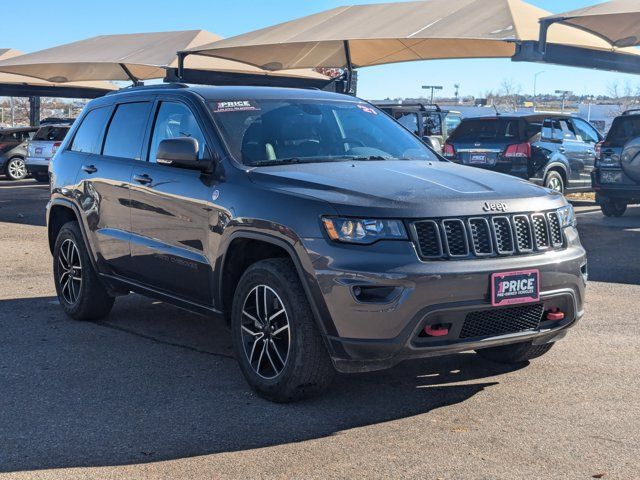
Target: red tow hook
<point>436,330</point>
<point>555,315</point>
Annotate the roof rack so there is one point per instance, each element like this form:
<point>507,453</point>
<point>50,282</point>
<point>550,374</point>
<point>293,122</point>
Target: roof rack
<point>630,111</point>
<point>166,85</point>
<point>423,106</point>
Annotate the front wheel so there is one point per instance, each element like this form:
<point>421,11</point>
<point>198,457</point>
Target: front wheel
<point>277,344</point>
<point>80,292</point>
<point>16,169</point>
<point>518,353</point>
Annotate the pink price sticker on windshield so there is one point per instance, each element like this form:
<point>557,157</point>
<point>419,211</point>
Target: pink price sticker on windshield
<point>367,109</point>
<point>236,106</point>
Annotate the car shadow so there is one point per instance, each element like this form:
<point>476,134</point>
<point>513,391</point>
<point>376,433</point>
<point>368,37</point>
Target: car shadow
<point>152,383</point>
<point>612,245</point>
<point>23,202</point>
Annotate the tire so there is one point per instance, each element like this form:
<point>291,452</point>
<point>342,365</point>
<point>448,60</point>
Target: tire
<point>83,298</point>
<point>16,169</point>
<point>518,353</point>
<point>41,177</point>
<point>282,367</point>
<point>554,181</point>
<point>612,208</point>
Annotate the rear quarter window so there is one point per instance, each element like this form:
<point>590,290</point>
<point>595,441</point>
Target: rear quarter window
<point>51,134</point>
<point>623,130</point>
<point>89,135</point>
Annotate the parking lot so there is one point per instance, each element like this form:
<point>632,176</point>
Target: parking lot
<point>153,391</point>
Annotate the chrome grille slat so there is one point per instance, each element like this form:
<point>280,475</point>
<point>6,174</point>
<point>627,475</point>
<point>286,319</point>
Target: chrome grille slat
<point>487,236</point>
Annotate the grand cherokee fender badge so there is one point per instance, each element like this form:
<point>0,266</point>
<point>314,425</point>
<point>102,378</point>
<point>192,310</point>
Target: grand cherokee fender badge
<point>494,207</point>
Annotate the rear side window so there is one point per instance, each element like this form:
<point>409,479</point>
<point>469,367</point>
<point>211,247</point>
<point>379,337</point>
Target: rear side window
<point>623,130</point>
<point>88,136</point>
<point>126,131</point>
<point>497,129</point>
<point>51,134</point>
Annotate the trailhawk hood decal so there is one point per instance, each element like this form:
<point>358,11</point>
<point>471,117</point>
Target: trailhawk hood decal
<point>406,188</point>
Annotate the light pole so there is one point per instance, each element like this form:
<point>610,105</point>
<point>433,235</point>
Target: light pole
<point>565,94</point>
<point>433,88</point>
<point>535,89</point>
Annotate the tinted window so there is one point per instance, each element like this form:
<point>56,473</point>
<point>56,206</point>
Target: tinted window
<point>51,134</point>
<point>585,132</point>
<point>623,130</point>
<point>89,135</point>
<point>175,120</point>
<point>306,130</point>
<point>408,120</point>
<point>496,129</point>
<point>558,129</point>
<point>126,131</point>
<point>432,124</point>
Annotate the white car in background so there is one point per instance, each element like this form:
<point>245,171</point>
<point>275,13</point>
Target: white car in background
<point>42,147</point>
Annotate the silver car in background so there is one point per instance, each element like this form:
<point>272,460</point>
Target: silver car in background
<point>42,147</point>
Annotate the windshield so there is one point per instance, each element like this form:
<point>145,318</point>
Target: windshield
<point>271,132</point>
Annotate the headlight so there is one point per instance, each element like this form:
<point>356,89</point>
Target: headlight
<point>363,231</point>
<point>567,216</point>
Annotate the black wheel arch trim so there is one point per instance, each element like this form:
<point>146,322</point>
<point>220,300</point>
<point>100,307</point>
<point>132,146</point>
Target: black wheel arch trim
<point>311,289</point>
<point>61,202</point>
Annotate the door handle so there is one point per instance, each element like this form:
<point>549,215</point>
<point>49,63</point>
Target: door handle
<point>144,179</point>
<point>89,168</point>
<point>562,150</point>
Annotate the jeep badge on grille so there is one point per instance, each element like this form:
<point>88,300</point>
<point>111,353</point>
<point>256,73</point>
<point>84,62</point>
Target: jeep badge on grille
<point>494,207</point>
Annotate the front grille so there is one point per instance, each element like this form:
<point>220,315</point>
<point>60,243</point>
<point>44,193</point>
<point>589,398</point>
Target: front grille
<point>489,236</point>
<point>491,323</point>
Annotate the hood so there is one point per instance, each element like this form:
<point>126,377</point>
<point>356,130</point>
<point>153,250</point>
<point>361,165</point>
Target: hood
<point>406,189</point>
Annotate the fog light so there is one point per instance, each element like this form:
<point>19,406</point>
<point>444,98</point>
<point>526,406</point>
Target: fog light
<point>439,330</point>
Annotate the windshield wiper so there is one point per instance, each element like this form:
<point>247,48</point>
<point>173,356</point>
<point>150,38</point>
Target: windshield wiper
<point>280,161</point>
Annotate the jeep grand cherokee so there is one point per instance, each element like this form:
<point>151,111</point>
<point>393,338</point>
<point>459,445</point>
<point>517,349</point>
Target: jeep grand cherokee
<point>329,236</point>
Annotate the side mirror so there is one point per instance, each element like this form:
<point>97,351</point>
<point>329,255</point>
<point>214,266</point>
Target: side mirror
<point>181,152</point>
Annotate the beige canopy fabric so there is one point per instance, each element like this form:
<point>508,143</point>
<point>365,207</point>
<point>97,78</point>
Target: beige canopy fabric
<point>395,32</point>
<point>11,79</point>
<point>120,57</point>
<point>617,22</point>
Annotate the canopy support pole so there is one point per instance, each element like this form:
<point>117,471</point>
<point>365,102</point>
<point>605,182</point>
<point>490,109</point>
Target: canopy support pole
<point>34,111</point>
<point>349,65</point>
<point>136,81</point>
<point>181,57</point>
<point>544,31</point>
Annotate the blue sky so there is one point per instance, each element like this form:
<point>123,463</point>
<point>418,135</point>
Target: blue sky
<point>72,20</point>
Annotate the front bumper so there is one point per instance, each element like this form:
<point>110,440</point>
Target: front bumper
<point>371,335</point>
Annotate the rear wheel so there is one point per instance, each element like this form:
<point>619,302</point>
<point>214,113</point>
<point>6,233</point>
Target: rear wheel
<point>80,292</point>
<point>611,208</point>
<point>16,169</point>
<point>278,346</point>
<point>554,181</point>
<point>518,353</point>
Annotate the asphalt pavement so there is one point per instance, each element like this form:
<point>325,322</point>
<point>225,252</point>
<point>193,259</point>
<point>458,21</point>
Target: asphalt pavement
<point>154,392</point>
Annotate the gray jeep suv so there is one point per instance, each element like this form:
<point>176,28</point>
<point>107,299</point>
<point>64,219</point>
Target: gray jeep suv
<point>329,236</point>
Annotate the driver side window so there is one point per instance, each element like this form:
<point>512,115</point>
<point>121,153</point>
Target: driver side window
<point>175,120</point>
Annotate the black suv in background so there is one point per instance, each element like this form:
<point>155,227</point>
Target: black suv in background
<point>13,151</point>
<point>429,122</point>
<point>558,152</point>
<point>329,236</point>
<point>616,178</point>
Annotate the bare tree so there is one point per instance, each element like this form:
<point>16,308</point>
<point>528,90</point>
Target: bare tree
<point>510,91</point>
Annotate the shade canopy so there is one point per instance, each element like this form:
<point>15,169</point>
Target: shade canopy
<point>137,56</point>
<point>617,22</point>
<point>20,85</point>
<point>367,35</point>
